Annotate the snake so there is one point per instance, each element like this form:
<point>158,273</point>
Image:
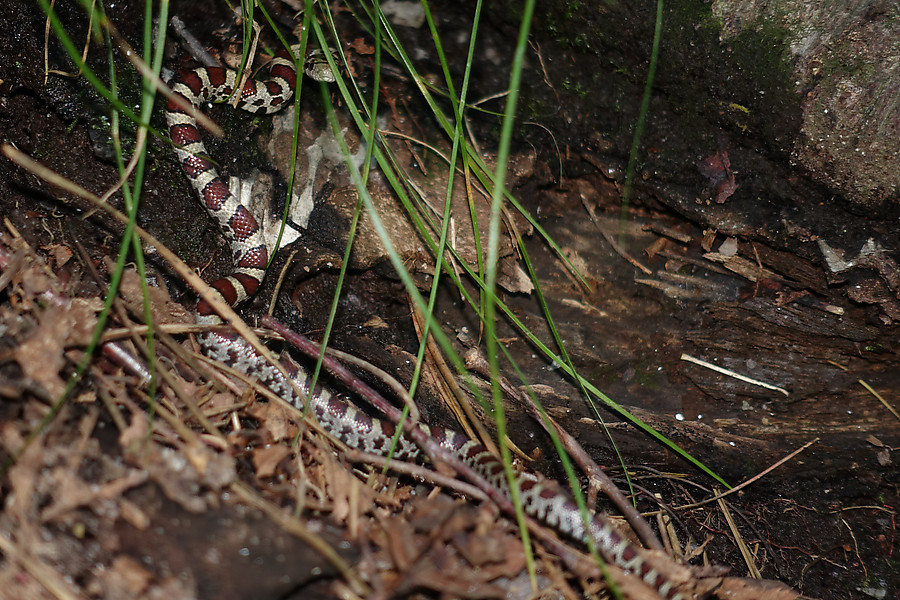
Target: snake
<point>541,498</point>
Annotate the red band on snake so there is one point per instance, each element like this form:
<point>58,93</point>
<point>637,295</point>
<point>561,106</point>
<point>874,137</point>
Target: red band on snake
<point>542,499</point>
<point>240,227</point>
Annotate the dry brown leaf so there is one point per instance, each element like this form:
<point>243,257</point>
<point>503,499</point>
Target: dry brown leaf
<point>267,459</point>
<point>136,434</point>
<point>481,549</point>
<point>513,277</point>
<point>124,579</point>
<point>23,478</point>
<point>41,355</point>
<point>274,419</point>
<point>738,588</point>
<point>34,283</point>
<point>660,244</point>
<point>217,404</point>
<point>162,307</point>
<point>61,254</point>
<point>133,514</point>
<point>350,497</point>
<point>71,492</point>
<point>717,169</point>
<point>216,469</point>
<point>176,477</point>
<point>339,482</point>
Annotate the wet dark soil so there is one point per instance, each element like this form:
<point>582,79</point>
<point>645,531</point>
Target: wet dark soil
<point>745,285</point>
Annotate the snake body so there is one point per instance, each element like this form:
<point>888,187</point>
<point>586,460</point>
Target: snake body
<point>542,499</point>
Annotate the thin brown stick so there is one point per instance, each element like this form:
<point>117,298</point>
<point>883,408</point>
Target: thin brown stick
<point>597,476</point>
<point>733,374</point>
<point>419,472</point>
<point>191,43</point>
<point>879,397</point>
<point>147,73</point>
<point>739,540</point>
<point>611,239</point>
<point>460,407</point>
<point>452,396</point>
<point>395,386</point>
<point>84,52</point>
<point>248,67</point>
<point>752,479</point>
<point>47,577</point>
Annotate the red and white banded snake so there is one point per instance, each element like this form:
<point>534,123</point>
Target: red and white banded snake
<point>541,498</point>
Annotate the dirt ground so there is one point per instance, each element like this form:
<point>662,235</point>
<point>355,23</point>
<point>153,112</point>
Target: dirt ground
<point>116,496</point>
